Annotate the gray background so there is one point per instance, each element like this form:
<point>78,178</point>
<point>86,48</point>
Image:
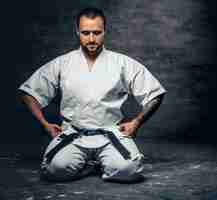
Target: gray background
<point>175,39</point>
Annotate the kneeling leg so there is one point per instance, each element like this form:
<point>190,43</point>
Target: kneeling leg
<point>116,168</point>
<point>67,164</point>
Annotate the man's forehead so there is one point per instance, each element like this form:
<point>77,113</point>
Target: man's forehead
<point>86,22</point>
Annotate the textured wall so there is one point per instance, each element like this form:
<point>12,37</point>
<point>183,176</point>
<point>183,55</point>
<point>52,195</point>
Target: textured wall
<point>175,39</point>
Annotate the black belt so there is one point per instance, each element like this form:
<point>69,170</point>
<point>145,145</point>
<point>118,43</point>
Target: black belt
<point>66,139</point>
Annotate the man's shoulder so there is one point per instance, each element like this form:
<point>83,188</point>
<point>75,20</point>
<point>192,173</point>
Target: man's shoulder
<point>61,62</point>
<point>63,57</point>
<point>123,58</point>
<point>116,54</point>
<point>121,55</point>
<point>68,55</point>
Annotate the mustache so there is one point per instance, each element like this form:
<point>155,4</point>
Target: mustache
<point>92,43</point>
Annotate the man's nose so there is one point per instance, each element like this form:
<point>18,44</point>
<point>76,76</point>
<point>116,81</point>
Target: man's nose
<point>91,37</point>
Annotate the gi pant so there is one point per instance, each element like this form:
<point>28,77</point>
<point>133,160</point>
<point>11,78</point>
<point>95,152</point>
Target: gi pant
<point>75,161</point>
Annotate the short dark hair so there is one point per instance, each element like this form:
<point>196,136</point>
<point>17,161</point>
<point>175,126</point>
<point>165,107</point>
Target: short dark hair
<point>90,12</point>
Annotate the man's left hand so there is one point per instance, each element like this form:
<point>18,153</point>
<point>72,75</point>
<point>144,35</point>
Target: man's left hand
<point>129,129</point>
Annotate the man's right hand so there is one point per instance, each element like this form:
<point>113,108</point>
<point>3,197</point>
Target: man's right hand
<point>53,129</point>
<point>36,109</point>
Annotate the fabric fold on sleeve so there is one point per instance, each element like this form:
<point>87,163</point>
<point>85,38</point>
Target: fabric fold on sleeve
<point>43,84</point>
<point>141,83</point>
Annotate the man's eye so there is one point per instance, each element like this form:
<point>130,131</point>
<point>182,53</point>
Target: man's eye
<point>97,32</point>
<point>85,32</point>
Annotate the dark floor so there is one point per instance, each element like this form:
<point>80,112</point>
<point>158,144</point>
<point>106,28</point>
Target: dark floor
<point>174,171</point>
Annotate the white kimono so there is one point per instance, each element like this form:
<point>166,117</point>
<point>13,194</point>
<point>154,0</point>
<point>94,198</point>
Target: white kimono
<point>92,99</point>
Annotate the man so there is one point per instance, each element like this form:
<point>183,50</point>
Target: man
<point>94,83</point>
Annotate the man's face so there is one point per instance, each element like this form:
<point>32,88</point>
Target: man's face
<point>91,35</point>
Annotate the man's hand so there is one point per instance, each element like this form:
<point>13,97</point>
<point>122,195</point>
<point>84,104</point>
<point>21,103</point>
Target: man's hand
<point>36,109</point>
<point>129,129</point>
<point>53,129</point>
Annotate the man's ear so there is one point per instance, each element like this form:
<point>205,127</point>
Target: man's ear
<point>76,29</point>
<point>104,32</point>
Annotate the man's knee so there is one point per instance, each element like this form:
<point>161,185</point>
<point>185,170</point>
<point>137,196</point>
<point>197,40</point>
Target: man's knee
<point>128,170</point>
<point>62,169</point>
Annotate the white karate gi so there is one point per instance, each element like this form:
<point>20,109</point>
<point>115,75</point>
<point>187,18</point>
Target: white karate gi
<point>92,99</point>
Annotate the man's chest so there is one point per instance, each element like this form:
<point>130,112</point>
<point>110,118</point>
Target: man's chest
<point>103,82</point>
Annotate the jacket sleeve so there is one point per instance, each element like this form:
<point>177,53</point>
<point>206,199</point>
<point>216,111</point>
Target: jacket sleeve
<point>141,83</point>
<point>43,84</point>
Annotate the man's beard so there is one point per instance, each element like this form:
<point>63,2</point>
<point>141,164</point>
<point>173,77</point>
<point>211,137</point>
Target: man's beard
<point>92,49</point>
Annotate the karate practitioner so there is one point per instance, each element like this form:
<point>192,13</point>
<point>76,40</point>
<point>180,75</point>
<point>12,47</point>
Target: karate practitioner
<point>94,83</point>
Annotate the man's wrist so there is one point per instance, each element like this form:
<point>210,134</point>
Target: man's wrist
<point>44,123</point>
<point>136,122</point>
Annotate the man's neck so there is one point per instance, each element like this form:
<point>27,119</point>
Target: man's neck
<point>91,58</point>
